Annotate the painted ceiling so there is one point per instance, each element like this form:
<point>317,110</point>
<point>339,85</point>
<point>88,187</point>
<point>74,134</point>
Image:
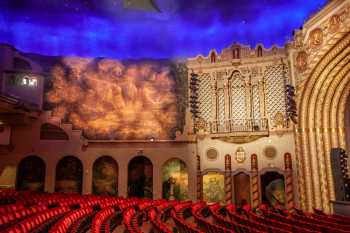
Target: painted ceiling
<point>174,29</point>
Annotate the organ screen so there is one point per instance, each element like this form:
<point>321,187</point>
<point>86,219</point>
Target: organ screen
<point>119,100</point>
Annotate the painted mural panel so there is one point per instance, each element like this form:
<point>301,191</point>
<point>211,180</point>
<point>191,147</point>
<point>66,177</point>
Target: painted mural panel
<point>175,171</point>
<point>31,174</point>
<point>105,176</point>
<point>241,183</point>
<point>272,188</point>
<point>69,175</point>
<point>119,100</point>
<point>140,177</point>
<point>213,187</point>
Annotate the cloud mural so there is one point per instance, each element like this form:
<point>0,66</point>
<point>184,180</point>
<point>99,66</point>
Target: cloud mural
<point>109,99</point>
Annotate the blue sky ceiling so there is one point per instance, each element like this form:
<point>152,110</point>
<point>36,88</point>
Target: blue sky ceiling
<point>182,28</point>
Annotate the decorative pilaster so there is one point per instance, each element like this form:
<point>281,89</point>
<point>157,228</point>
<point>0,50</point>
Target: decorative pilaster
<point>261,88</point>
<point>254,181</point>
<point>199,179</point>
<point>228,179</point>
<point>288,180</point>
<point>248,100</point>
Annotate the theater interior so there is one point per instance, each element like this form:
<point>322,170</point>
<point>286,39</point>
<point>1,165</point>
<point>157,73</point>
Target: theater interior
<point>174,116</point>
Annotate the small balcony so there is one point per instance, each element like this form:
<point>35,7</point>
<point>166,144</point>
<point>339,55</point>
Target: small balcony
<point>239,127</point>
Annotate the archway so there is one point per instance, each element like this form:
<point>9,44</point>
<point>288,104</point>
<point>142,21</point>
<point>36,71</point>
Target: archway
<point>213,187</point>
<point>175,170</point>
<point>140,177</point>
<point>321,106</point>
<point>31,174</point>
<point>69,175</point>
<point>241,182</point>
<point>272,188</point>
<point>105,176</point>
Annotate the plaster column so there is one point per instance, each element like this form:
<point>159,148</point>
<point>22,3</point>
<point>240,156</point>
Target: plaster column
<point>228,179</point>
<point>254,181</point>
<point>288,180</point>
<point>199,179</point>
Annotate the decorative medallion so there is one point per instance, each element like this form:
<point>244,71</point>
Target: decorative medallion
<point>212,154</point>
<point>240,155</point>
<point>270,152</point>
<point>315,38</point>
<point>301,61</point>
<point>334,23</point>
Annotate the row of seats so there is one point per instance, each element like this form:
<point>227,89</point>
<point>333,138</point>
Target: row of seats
<point>156,215</point>
<point>33,222</point>
<point>99,222</point>
<point>67,221</point>
<point>22,212</point>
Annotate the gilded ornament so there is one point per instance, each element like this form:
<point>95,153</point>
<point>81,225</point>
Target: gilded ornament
<point>240,155</point>
<point>334,23</point>
<point>200,125</point>
<point>315,38</point>
<point>301,61</point>
<point>298,39</point>
<point>279,120</point>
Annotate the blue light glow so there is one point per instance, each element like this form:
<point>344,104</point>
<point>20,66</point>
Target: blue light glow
<point>93,28</point>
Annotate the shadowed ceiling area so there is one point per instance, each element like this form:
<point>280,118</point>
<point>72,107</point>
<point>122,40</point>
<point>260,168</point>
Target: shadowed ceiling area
<point>177,28</point>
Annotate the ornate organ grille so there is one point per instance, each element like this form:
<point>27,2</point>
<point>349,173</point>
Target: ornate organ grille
<point>205,94</point>
<point>221,109</point>
<point>255,102</point>
<point>275,90</point>
<point>238,97</point>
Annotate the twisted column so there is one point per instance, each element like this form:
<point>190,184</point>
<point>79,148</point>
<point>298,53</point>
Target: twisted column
<point>228,179</point>
<point>199,179</point>
<point>288,180</point>
<point>254,181</point>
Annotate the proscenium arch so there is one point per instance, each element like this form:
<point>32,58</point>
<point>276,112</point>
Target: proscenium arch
<point>139,182</point>
<point>324,92</point>
<point>105,171</point>
<point>70,179</point>
<point>183,186</point>
<point>34,166</point>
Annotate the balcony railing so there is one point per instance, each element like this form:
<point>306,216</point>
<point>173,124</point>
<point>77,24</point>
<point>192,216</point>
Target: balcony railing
<point>238,125</point>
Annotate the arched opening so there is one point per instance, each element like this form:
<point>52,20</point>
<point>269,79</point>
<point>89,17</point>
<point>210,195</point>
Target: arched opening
<point>213,57</point>
<point>140,177</point>
<point>241,182</point>
<point>272,188</point>
<point>31,174</point>
<point>259,51</point>
<point>213,187</point>
<point>175,180</point>
<point>236,52</point>
<point>105,176</point>
<point>69,175</point>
